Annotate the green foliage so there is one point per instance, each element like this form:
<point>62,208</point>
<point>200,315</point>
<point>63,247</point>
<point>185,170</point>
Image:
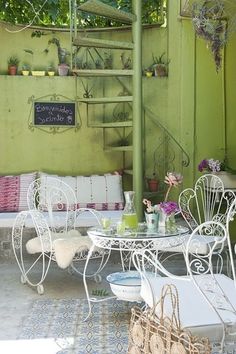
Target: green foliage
<point>26,66</point>
<point>13,60</point>
<point>159,60</point>
<point>61,52</point>
<point>207,21</point>
<point>56,13</point>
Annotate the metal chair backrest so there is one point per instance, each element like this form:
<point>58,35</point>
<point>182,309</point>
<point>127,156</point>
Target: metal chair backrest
<point>208,200</point>
<point>56,199</point>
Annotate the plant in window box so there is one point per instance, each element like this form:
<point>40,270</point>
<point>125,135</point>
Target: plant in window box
<point>160,65</point>
<point>13,63</point>
<point>25,69</point>
<point>51,70</point>
<point>38,71</point>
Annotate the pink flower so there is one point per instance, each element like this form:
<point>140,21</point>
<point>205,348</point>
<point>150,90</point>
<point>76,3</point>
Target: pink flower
<point>173,179</point>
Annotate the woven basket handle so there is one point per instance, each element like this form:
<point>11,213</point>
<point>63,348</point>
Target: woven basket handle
<point>169,291</point>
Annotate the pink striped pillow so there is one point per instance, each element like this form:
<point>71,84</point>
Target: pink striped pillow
<point>13,192</point>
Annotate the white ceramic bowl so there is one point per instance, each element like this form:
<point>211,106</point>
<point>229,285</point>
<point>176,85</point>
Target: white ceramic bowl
<point>126,285</point>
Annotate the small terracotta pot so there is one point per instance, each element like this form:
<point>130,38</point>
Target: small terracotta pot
<point>12,70</point>
<point>152,185</point>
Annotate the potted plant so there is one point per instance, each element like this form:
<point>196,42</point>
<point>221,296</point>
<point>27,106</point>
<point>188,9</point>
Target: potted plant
<point>152,183</point>
<point>13,63</point>
<point>25,70</point>
<point>38,71</point>
<point>219,168</point>
<point>209,24</point>
<point>149,71</point>
<point>51,70</point>
<point>63,67</point>
<point>160,66</point>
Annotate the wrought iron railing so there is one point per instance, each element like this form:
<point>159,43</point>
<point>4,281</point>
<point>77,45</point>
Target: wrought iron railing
<point>168,154</point>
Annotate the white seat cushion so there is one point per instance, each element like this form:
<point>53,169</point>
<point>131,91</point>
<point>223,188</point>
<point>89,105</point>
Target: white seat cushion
<point>86,219</point>
<point>200,245</point>
<point>195,313</point>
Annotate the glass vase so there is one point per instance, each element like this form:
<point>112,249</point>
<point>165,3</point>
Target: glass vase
<point>129,216</point>
<point>152,221</point>
<point>167,223</point>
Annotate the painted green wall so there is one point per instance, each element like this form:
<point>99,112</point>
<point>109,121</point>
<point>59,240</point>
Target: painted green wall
<point>194,103</point>
<point>70,152</point>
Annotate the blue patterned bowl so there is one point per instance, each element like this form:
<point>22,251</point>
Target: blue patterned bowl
<point>126,285</point>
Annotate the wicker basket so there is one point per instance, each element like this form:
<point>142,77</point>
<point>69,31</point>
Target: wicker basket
<point>149,334</point>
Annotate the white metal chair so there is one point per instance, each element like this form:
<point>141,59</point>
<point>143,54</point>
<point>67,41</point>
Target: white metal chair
<point>53,214</point>
<point>207,201</point>
<point>207,299</point>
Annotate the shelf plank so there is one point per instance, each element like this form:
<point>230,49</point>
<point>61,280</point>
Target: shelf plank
<point>113,124</point>
<point>119,148</point>
<point>98,8</point>
<point>102,72</point>
<point>116,99</point>
<point>101,43</point>
<point>128,172</point>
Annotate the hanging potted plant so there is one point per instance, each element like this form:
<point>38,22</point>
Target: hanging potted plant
<point>208,23</point>
<point>13,63</point>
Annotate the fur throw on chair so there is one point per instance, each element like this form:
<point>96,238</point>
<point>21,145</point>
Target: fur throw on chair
<point>64,245</point>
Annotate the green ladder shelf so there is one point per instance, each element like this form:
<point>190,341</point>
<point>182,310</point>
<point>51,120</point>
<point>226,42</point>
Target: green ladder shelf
<point>113,124</point>
<point>101,100</point>
<point>101,43</point>
<point>99,8</point>
<point>102,72</point>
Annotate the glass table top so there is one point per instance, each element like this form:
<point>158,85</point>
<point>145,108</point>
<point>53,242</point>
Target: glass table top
<point>111,232</point>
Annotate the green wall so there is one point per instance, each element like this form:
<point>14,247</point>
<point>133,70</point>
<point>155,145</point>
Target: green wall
<point>194,103</point>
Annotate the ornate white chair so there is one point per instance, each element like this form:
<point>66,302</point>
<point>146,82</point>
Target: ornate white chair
<point>53,215</point>
<point>207,299</point>
<point>207,201</point>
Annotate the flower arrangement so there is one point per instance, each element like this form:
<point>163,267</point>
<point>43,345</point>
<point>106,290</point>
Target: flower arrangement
<point>172,179</point>
<point>210,165</point>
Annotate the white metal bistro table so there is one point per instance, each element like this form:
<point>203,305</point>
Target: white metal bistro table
<point>128,242</point>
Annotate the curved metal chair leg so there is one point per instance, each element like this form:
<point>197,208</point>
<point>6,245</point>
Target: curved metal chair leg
<point>41,261</point>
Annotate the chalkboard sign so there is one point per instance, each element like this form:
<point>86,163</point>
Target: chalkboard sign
<point>54,113</point>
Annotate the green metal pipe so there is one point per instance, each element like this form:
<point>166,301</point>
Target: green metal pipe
<point>137,109</point>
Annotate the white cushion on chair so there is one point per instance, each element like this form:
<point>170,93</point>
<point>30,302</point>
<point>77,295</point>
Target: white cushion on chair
<point>200,245</point>
<point>194,309</point>
<point>64,245</point>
